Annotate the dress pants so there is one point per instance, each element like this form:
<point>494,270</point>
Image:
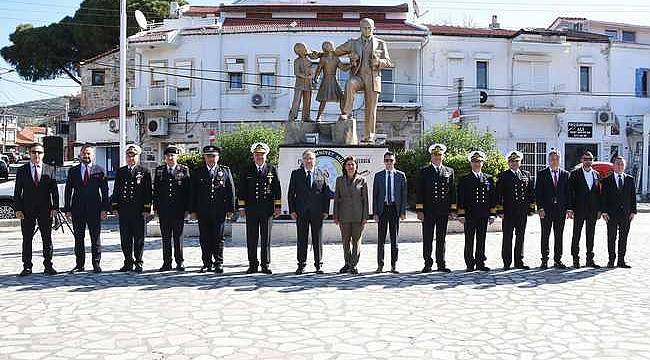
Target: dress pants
<point>590,230</point>
<point>171,227</point>
<point>556,222</point>
<point>79,224</point>
<point>388,223</point>
<point>475,227</point>
<point>363,81</point>
<point>258,229</point>
<point>517,223</point>
<point>132,238</point>
<point>351,234</point>
<point>437,224</point>
<point>211,239</point>
<point>622,226</point>
<point>27,226</point>
<point>304,224</point>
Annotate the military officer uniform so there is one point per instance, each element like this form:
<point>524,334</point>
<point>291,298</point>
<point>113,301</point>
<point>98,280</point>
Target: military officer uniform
<point>132,198</point>
<point>213,196</point>
<point>476,204</point>
<point>259,196</point>
<point>515,201</point>
<point>436,200</point>
<point>171,201</point>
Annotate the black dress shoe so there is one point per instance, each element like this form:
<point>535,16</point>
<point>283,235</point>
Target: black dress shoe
<point>218,269</point>
<point>203,269</point>
<point>138,269</point>
<point>482,268</point>
<point>393,270</point>
<point>319,271</point>
<point>444,269</point>
<point>50,271</point>
<point>77,269</point>
<point>379,270</point>
<point>522,267</point>
<point>610,265</point>
<point>300,270</point>
<point>180,267</point>
<point>344,269</point>
<point>25,272</point>
<point>576,264</point>
<point>426,269</point>
<point>559,265</point>
<point>506,267</point>
<point>97,269</point>
<point>624,266</point>
<point>165,267</point>
<point>354,271</point>
<point>593,265</point>
<point>266,270</point>
<point>126,268</point>
<point>469,269</point>
<point>251,270</point>
<point>544,265</point>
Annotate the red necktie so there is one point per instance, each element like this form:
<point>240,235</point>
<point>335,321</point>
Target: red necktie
<point>86,176</point>
<point>35,177</point>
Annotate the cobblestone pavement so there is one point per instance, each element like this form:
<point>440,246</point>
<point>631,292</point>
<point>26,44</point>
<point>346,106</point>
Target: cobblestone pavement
<point>552,314</point>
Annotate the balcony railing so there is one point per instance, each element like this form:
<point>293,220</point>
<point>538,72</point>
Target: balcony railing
<point>398,94</point>
<point>153,97</point>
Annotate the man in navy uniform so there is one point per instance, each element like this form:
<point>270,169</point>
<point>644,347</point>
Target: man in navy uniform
<point>619,208</point>
<point>259,201</point>
<point>132,201</point>
<point>515,201</point>
<point>213,201</point>
<point>584,208</point>
<point>309,204</point>
<point>86,204</point>
<point>36,200</point>
<point>552,198</point>
<point>435,204</point>
<point>171,203</point>
<point>476,208</point>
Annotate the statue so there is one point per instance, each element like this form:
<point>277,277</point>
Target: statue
<point>368,56</point>
<point>302,87</point>
<point>329,89</point>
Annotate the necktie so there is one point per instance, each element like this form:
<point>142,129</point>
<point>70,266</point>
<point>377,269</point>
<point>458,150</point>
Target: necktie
<point>86,176</point>
<point>437,170</point>
<point>170,171</point>
<point>211,171</point>
<point>35,176</point>
<point>620,182</point>
<point>555,178</point>
<point>259,171</point>
<point>308,178</point>
<point>390,187</point>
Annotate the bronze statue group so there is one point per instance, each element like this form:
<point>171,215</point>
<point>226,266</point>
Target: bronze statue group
<point>208,195</point>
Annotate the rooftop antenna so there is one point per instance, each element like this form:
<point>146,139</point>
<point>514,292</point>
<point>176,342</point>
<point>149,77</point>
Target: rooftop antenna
<point>141,20</point>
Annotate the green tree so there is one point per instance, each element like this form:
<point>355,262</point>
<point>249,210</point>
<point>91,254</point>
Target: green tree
<point>47,52</point>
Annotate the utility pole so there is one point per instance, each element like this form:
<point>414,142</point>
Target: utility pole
<point>122,82</point>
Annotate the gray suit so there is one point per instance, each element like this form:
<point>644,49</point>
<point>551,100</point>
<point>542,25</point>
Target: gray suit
<point>350,209</point>
<point>389,207</point>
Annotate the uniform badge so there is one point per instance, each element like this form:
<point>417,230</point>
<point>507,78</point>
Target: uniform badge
<point>138,178</point>
<point>270,177</point>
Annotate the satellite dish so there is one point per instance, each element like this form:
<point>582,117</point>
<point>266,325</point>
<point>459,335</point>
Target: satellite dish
<point>141,19</point>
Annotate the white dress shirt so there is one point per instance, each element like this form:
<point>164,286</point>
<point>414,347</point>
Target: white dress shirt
<point>590,177</point>
<point>36,170</point>
<point>390,175</point>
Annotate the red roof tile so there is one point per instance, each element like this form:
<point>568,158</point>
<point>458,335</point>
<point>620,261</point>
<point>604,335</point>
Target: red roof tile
<point>202,10</point>
<point>446,30</point>
<point>239,24</point>
<point>108,113</point>
<point>314,7</point>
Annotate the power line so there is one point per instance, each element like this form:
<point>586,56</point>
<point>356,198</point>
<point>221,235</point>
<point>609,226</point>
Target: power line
<point>28,88</point>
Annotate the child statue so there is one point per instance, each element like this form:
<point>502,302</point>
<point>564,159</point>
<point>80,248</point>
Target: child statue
<point>329,89</point>
<point>302,87</point>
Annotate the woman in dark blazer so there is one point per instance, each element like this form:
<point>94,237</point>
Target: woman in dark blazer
<point>351,212</point>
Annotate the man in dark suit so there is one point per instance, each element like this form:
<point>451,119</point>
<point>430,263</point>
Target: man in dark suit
<point>131,201</point>
<point>389,202</point>
<point>552,197</point>
<point>171,203</point>
<point>584,207</point>
<point>618,208</point>
<point>309,204</point>
<point>86,204</point>
<point>259,201</point>
<point>435,204</point>
<point>515,201</point>
<point>476,208</point>
<point>36,200</point>
<point>213,201</point>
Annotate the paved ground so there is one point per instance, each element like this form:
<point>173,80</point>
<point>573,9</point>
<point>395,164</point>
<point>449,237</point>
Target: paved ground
<point>586,314</point>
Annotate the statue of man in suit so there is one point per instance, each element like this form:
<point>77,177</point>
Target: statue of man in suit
<point>368,56</point>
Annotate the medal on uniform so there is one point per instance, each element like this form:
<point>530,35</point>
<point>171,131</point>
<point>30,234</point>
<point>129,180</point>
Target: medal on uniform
<point>270,177</point>
<point>138,178</point>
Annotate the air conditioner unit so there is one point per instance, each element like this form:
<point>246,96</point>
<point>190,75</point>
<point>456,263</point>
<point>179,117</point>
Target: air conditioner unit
<point>605,117</point>
<point>158,126</point>
<point>485,99</point>
<point>114,125</point>
<point>260,99</point>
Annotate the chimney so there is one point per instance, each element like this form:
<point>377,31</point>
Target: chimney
<point>494,24</point>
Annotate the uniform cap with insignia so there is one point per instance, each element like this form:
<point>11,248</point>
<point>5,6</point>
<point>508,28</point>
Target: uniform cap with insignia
<point>260,147</point>
<point>476,156</point>
<point>211,150</point>
<point>133,148</point>
<point>172,149</point>
<point>515,155</point>
<point>437,149</point>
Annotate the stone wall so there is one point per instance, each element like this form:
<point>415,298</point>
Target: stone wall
<point>96,98</point>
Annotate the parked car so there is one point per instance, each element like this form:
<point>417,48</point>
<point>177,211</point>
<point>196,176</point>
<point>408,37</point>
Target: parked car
<point>7,209</point>
<point>4,170</point>
<point>12,157</point>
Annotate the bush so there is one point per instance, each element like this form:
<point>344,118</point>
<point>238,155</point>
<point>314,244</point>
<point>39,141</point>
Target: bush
<point>192,159</point>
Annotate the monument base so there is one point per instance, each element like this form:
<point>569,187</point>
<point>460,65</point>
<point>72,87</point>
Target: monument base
<point>343,131</point>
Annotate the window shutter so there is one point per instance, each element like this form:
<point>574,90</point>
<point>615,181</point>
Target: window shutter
<point>638,88</point>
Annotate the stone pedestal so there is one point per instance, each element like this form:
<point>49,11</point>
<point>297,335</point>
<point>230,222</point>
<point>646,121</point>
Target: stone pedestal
<point>345,131</point>
<point>341,132</point>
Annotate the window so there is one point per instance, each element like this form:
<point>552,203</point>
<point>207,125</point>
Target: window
<point>612,34</point>
<point>267,69</point>
<point>642,83</point>
<point>184,70</point>
<point>387,86</point>
<point>534,156</point>
<point>236,68</point>
<point>158,69</point>
<point>235,80</point>
<point>585,79</point>
<point>629,36</point>
<point>482,75</point>
<point>98,77</point>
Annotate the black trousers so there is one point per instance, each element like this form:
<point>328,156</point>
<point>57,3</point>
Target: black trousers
<point>589,222</point>
<point>516,223</point>
<point>27,226</point>
<point>557,224</point>
<point>439,225</point>
<point>303,225</point>
<point>388,223</point>
<point>475,227</point>
<point>132,237</point>
<point>79,224</point>
<point>258,229</point>
<point>211,240</point>
<point>172,227</point>
<point>622,226</point>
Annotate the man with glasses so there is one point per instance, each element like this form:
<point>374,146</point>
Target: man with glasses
<point>36,200</point>
<point>213,201</point>
<point>389,202</point>
<point>131,200</point>
<point>86,204</point>
<point>584,207</point>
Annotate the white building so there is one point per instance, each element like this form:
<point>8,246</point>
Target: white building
<point>8,130</point>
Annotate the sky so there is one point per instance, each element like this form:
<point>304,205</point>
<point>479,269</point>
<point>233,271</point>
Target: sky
<point>512,14</point>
